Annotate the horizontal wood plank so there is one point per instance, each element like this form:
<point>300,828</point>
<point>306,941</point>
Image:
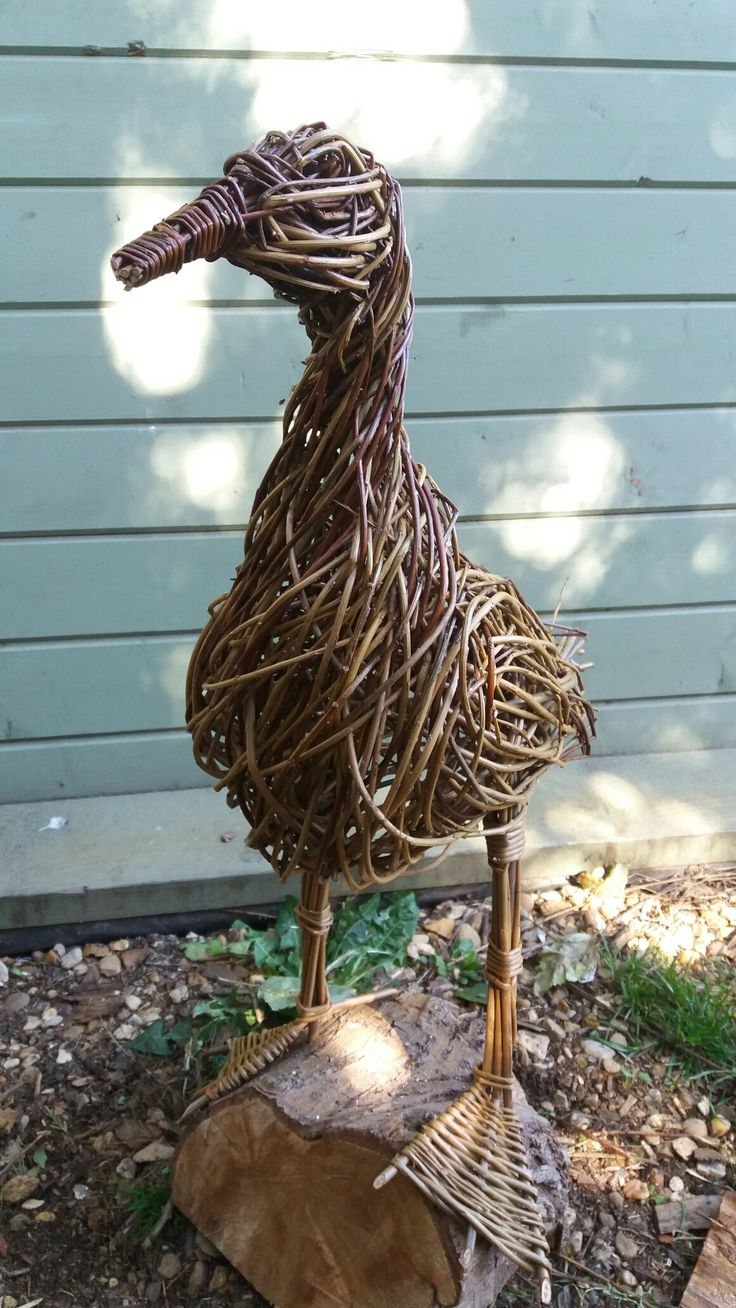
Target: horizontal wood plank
<point>557,29</point>
<point>101,686</point>
<point>515,242</point>
<point>129,477</point>
<point>80,586</point>
<point>119,764</point>
<point>151,357</point>
<point>180,117</point>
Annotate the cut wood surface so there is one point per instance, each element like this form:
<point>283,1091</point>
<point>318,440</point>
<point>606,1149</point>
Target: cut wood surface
<point>279,1176</point>
<point>713,1283</point>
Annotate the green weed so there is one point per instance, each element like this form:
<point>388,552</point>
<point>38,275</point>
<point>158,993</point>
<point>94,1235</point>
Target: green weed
<point>687,1012</point>
<point>145,1205</point>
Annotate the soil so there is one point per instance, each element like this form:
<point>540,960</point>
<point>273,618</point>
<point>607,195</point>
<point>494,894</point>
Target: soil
<point>85,1119</point>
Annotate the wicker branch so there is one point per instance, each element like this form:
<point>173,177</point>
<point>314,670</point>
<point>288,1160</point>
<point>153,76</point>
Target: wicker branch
<point>363,693</point>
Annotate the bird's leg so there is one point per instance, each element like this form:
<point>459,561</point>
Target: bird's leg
<point>314,916</point>
<point>471,1160</point>
<point>249,1054</point>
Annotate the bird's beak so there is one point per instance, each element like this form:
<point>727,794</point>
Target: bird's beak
<point>207,228</point>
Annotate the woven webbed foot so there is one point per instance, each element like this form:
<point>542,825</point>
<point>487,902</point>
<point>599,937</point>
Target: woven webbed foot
<point>248,1055</point>
<point>471,1162</point>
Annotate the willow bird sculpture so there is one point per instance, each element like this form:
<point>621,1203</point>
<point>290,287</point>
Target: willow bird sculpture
<point>363,693</point>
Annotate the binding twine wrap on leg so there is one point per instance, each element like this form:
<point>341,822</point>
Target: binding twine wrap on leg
<point>249,1054</point>
<point>471,1159</point>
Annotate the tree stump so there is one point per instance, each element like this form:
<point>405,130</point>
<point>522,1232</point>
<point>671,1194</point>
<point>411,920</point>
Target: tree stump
<point>279,1175</point>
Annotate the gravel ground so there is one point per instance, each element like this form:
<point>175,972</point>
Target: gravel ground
<point>88,1123</point>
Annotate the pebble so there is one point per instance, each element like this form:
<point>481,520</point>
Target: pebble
<point>132,1002</point>
<point>197,1277</point>
<point>158,1151</point>
<point>696,1127</point>
<point>64,1055</point>
<point>50,1017</point>
<point>31,1024</point>
<point>676,1184</point>
<point>219,1279</point>
<point>534,1043</point>
<point>625,1246</point>
<point>444,927</point>
<point>126,1169</point>
<point>170,1265</point>
<point>153,1291</point>
<point>206,1246</point>
<point>466,932</point>
<point>594,1049</point>
<point>637,1191</point>
<point>60,950</point>
<point>120,946</point>
<point>711,1171</point>
<point>16,1002</point>
<point>627,1278</point>
<point>684,1146</point>
<point>110,965</point>
<point>719,1125</point>
<point>19,1187</point>
<point>179,995</point>
<point>71,958</point>
<point>125,1031</point>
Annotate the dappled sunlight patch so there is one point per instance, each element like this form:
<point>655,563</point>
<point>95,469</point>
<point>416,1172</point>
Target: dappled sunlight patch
<point>157,342</point>
<point>375,1054</point>
<point>206,470</point>
<point>567,464</point>
<point>403,28</point>
<point>713,555</point>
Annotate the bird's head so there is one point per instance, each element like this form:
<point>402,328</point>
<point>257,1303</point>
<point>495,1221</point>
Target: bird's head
<point>308,211</point>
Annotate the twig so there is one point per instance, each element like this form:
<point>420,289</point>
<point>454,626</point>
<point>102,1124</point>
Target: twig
<point>17,1157</point>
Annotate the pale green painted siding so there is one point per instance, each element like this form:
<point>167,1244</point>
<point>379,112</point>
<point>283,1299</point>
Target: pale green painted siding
<point>570,186</point>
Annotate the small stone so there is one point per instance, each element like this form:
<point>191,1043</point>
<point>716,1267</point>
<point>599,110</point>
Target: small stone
<point>684,1147</point>
<point>81,1192</point>
<point>133,1003</point>
<point>627,1278</point>
<point>155,1152</point>
<point>444,927</point>
<point>9,1301</point>
<point>719,1125</point>
<point>594,1049</point>
<point>179,995</point>
<point>420,946</point>
<point>153,1291</point>
<point>704,1106</point>
<point>534,1043</point>
<point>71,957</point>
<point>60,950</point>
<point>197,1277</point>
<point>206,1246</point>
<point>31,1204</point>
<point>125,1031</point>
<point>31,1024</point>
<point>126,1169</point>
<point>95,950</point>
<point>625,1246</point>
<point>466,932</point>
<point>169,1266</point>
<point>110,965</point>
<point>636,1191</point>
<point>219,1279</point>
<point>16,1002</point>
<point>554,1029</point>
<point>7,1118</point>
<point>616,1201</point>
<point>19,1187</point>
<point>50,1017</point>
<point>64,1055</point>
<point>676,1184</point>
<point>711,1171</point>
<point>579,1120</point>
<point>120,946</point>
<point>696,1128</point>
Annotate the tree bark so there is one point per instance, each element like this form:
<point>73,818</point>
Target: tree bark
<point>279,1176</point>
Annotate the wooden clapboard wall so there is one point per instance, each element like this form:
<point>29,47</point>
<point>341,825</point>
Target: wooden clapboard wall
<point>569,175</point>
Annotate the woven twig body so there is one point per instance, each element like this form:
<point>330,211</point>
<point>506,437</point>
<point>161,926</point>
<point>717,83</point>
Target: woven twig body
<point>363,693</point>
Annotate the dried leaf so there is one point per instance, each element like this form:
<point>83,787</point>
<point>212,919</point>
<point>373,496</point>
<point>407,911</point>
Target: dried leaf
<point>573,958</point>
